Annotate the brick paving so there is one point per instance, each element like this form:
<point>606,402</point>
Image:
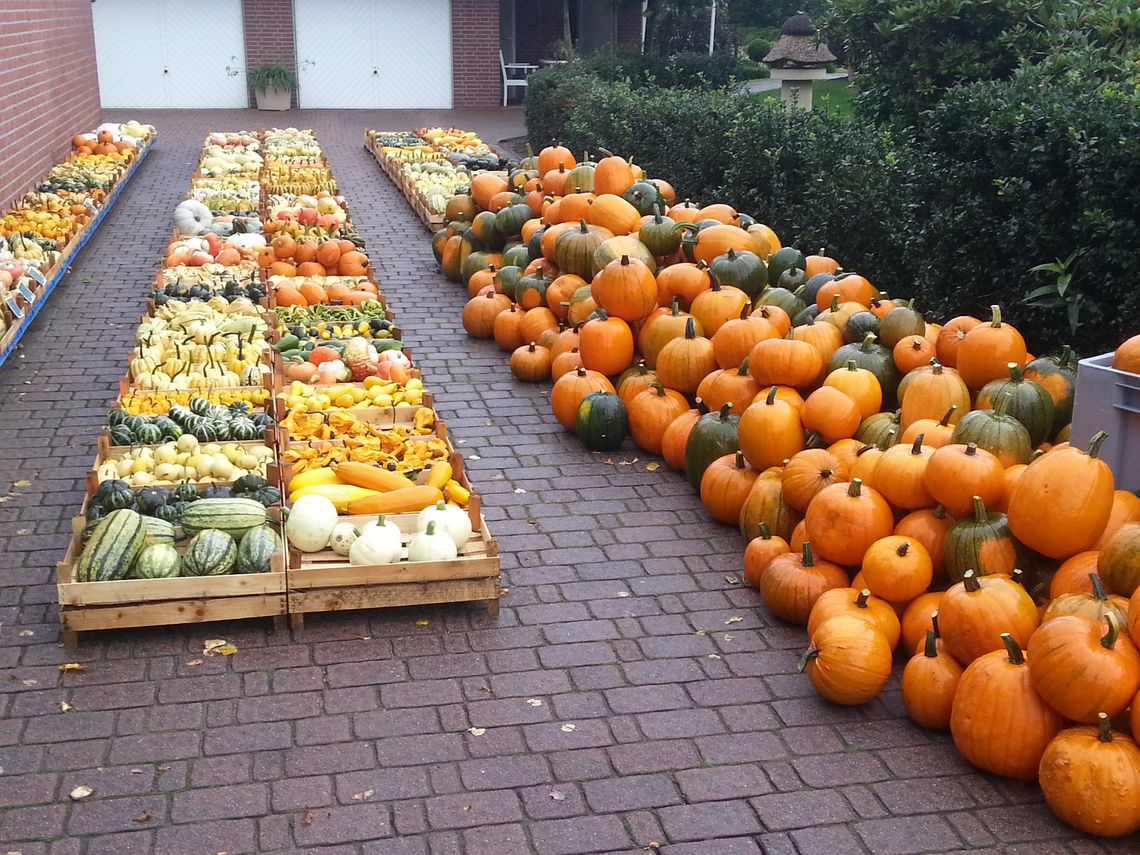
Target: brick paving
<point>692,730</point>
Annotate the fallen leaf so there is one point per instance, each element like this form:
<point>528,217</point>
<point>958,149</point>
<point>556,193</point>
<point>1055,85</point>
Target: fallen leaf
<point>557,796</point>
<point>363,797</point>
<point>27,633</point>
<point>519,490</point>
<point>569,728</point>
<point>733,619</point>
<point>218,647</point>
<point>474,457</point>
<point>476,731</point>
<point>64,706</point>
<point>533,702</point>
<point>145,816</point>
<point>727,637</point>
<point>652,467</point>
<point>734,580</point>
<point>701,632</point>
<point>194,662</point>
<point>71,666</point>
<point>466,808</point>
<point>30,683</point>
<point>307,818</point>
<point>623,593</point>
<point>422,622</point>
<point>136,771</point>
<point>484,689</point>
<point>652,845</point>
<point>504,591</point>
<point>162,768</point>
<point>22,530</point>
<point>81,792</point>
<point>22,483</point>
<point>714,656</point>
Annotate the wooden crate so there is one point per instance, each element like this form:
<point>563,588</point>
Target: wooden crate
<point>106,451</point>
<point>88,606</point>
<point>432,222</point>
<point>326,582</point>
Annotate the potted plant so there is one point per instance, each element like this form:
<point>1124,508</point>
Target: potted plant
<point>273,85</point>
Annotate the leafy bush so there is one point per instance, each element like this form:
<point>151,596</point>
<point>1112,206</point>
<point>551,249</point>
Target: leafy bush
<point>681,70</point>
<point>758,49</point>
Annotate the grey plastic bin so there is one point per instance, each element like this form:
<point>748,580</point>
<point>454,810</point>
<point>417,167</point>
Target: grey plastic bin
<point>1109,400</point>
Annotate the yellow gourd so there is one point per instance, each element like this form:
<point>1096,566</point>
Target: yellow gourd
<point>341,495</point>
<point>403,501</point>
<point>312,478</point>
<point>371,477</point>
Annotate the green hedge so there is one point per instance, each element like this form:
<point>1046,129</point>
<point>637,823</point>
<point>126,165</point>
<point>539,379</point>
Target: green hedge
<point>1004,176</point>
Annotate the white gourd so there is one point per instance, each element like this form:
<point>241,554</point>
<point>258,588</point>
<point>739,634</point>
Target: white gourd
<point>192,217</point>
<point>376,545</point>
<point>432,544</point>
<point>342,538</point>
<point>382,522</point>
<point>452,519</point>
<point>311,522</point>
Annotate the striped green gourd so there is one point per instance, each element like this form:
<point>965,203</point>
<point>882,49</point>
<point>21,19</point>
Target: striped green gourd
<point>233,516</point>
<point>112,548</point>
<point>256,550</point>
<point>158,561</point>
<point>159,531</point>
<point>209,553</point>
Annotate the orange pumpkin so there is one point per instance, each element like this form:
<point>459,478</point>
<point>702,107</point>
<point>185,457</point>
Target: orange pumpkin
<point>986,351</point>
<point>606,344</point>
<point>626,289</point>
<point>651,412</point>
<point>794,581</point>
<point>897,569</point>
<point>975,612</point>
<point>725,485</point>
<point>848,662</point>
<point>831,414</point>
<point>929,683</point>
<point>770,432</point>
<point>571,389</point>
<point>683,363</point>
<point>843,520</point>
<point>857,603</point>
<point>760,552</point>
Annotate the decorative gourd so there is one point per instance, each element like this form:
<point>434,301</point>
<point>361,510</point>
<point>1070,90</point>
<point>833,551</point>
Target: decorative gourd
<point>256,549</point>
<point>793,582</point>
<point>378,543</point>
<point>928,393</point>
<point>843,520</point>
<point>1090,777</point>
<point>929,683</point>
<point>209,553</point>
<point>1080,669</point>
<point>999,722</point>
<point>157,561</point>
<point>1119,562</point>
<point>113,547</point>
<point>1062,502</point>
<point>343,536</point>
<point>929,526</point>
<point>897,569</point>
<point>310,523</point>
<point>760,552</point>
<point>765,504</point>
<point>602,422</point>
<point>233,516</point>
<point>848,662</point>
<point>432,544</point>
<point>714,435</point>
<point>873,357</point>
<point>1028,402</point>
<point>997,432</point>
<point>976,612</point>
<point>684,362</point>
<point>856,603</point>
<point>725,485</point>
<point>451,520</point>
<point>192,218</point>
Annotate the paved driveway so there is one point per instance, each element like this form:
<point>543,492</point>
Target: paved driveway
<point>691,730</point>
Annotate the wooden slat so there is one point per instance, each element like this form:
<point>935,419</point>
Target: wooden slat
<point>170,613</point>
<point>392,596</point>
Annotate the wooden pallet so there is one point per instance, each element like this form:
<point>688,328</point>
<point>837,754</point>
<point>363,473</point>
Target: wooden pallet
<point>130,603</point>
<point>432,222</point>
<point>326,582</point>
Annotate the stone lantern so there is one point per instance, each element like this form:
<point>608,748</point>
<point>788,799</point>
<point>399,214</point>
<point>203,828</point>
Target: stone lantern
<point>798,59</point>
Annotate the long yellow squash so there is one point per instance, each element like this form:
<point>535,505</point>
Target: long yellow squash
<point>341,495</point>
<point>404,501</point>
<point>371,477</point>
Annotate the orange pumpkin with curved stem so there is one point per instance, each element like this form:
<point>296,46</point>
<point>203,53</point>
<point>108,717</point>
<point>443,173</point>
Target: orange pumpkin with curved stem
<point>936,434</point>
<point>929,683</point>
<point>795,580</point>
<point>950,338</point>
<point>1090,607</point>
<point>635,380</point>
<point>731,385</point>
<point>725,485</point>
<point>975,613</point>
<point>760,552</point>
<point>848,661</point>
<point>928,526</point>
<point>626,289</point>
<point>606,344</point>
<point>571,389</point>
<point>858,384</point>
<point>987,349</point>
<point>735,339</point>
<point>843,520</point>
<point>765,504</point>
<point>809,471</point>
<point>1081,668</point>
<point>858,603</point>
<point>831,414</point>
<point>770,432</point>
<point>718,305</point>
<point>661,327</point>
<point>614,175</point>
<point>999,722</point>
<point>684,280</point>
<point>900,475</point>
<point>897,569</point>
<point>785,362</point>
<point>919,616</point>
<point>684,362</point>
<point>676,436</point>
<point>531,363</point>
<point>552,155</point>
<point>956,473</point>
<point>613,213</point>
<point>480,312</point>
<point>651,412</point>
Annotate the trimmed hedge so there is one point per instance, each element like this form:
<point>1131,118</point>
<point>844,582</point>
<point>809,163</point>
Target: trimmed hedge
<point>1003,176</point>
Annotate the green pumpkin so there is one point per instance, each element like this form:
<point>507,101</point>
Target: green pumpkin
<point>150,499</point>
<point>532,287</point>
<point>116,417</point>
<point>580,179</point>
<point>199,406</point>
<point>256,549</point>
<point>982,543</point>
<point>997,432</point>
<point>1058,375</point>
<point>121,435</point>
<point>477,261</point>
<point>115,495</point>
<point>783,259</point>
<point>794,279</point>
<point>881,429</point>
<point>1028,402</point>
<point>484,232</point>
<point>185,492</point>
<point>872,356</point>
<point>209,553</point>
<point>509,220</point>
<point>534,246</point>
<point>781,298</point>
<point>661,235</point>
<point>243,430</point>
<point>516,255</point>
<point>858,325</point>
<point>507,280</point>
<point>746,270</point>
<point>900,322</point>
<point>813,284</point>
<point>157,561</point>
<point>644,196</point>
<point>574,249</point>
<point>602,422</point>
<point>714,435</point>
<point>614,248</point>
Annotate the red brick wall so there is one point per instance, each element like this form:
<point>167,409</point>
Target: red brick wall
<point>269,38</point>
<point>49,90</point>
<point>475,73</point>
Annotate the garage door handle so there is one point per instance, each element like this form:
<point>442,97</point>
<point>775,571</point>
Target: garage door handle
<point>166,71</point>
<point>375,71</point>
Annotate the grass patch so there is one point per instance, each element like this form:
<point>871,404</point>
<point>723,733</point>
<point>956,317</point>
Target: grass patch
<point>835,96</point>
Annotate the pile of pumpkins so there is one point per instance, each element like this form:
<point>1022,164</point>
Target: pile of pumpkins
<point>902,483</point>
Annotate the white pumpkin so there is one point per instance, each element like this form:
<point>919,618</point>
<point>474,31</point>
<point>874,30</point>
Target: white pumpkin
<point>432,544</point>
<point>377,544</point>
<point>452,519</point>
<point>381,521</point>
<point>342,538</point>
<point>310,523</point>
<point>192,217</point>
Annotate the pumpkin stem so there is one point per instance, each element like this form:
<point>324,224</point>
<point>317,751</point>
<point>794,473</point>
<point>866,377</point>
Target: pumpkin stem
<point>808,560</point>
<point>834,307</point>
<point>939,512</point>
<point>945,420</point>
<point>1104,727</point>
<point>583,227</point>
<point>971,449</point>
<point>531,348</point>
<point>980,513</point>
<point>970,582</point>
<point>861,600</point>
<point>1098,588</point>
<point>771,399</point>
<point>430,528</point>
<point>765,532</point>
<point>675,307</point>
<point>580,371</point>
<point>745,311</point>
<point>1093,448</point>
<point>931,648</point>
<point>903,549</point>
<point>935,366</point>
<point>808,656</point>
<point>995,316</point>
<point>868,342</point>
<point>1015,373</point>
<point>1016,657</point>
<point>625,261</point>
<point>1018,576</point>
<point>934,624</point>
<point>690,328</point>
<point>856,488</point>
<point>702,408</point>
<point>1108,641</point>
<point>739,462</point>
<point>916,449</point>
<point>724,410</point>
<point>743,369</point>
<point>659,389</point>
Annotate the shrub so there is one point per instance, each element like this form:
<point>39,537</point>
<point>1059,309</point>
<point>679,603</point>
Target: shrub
<point>681,70</point>
<point>758,49</point>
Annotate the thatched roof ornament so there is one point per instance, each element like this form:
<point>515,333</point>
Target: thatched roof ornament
<point>799,46</point>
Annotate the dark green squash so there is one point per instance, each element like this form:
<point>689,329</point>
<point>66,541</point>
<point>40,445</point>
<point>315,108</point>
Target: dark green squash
<point>644,196</point>
<point>997,432</point>
<point>746,270</point>
<point>150,499</point>
<point>509,220</point>
<point>516,255</point>
<point>714,435</point>
<point>115,495</point>
<point>602,422</point>
<point>872,356</point>
<point>881,429</point>
<point>121,435</point>
<point>782,298</point>
<point>507,280</point>
<point>900,322</point>
<point>1058,375</point>
<point>783,259</point>
<point>814,283</point>
<point>661,235</point>
<point>574,249</point>
<point>858,325</point>
<point>982,543</point>
<point>1029,402</point>
<point>535,284</point>
<point>209,553</point>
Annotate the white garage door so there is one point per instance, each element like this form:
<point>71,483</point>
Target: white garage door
<point>170,53</point>
<point>374,53</point>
